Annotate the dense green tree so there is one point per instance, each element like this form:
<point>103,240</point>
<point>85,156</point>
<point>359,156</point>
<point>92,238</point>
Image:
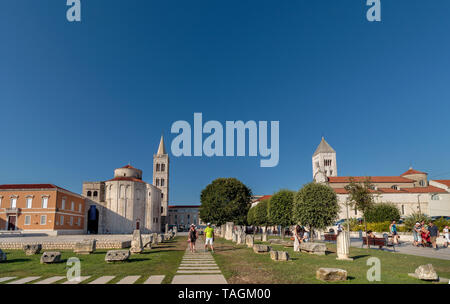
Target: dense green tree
<point>280,209</point>
<point>315,206</point>
<point>225,200</point>
<point>382,212</point>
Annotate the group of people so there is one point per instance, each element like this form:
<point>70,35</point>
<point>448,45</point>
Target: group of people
<point>426,235</point>
<point>193,236</point>
<point>300,235</point>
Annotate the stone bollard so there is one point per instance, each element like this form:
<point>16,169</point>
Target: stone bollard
<point>343,246</point>
<point>136,242</point>
<point>85,247</point>
<point>249,240</point>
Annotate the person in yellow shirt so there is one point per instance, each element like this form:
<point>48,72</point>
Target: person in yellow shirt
<point>209,235</point>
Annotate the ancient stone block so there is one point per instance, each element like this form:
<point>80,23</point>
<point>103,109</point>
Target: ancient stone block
<point>283,256</point>
<point>85,247</point>
<point>117,255</point>
<point>257,248</point>
<point>160,238</point>
<point>427,273</point>
<point>331,274</point>
<point>315,248</point>
<point>274,255</point>
<point>136,242</point>
<point>249,240</point>
<point>31,249</point>
<point>154,239</point>
<point>50,257</point>
<point>264,236</point>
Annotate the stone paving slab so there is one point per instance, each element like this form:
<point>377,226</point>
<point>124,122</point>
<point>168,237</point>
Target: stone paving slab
<point>77,282</point>
<point>6,279</point>
<point>199,279</point>
<point>102,280</point>
<point>198,271</point>
<point>129,280</point>
<point>155,279</point>
<point>50,280</point>
<point>200,268</point>
<point>198,265</point>
<point>24,280</point>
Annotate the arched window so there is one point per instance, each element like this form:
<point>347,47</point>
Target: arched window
<point>95,193</point>
<point>395,187</point>
<point>89,193</point>
<point>162,209</point>
<point>163,167</point>
<point>162,182</point>
<point>162,195</point>
<point>422,183</point>
<point>157,182</point>
<point>157,167</point>
<point>149,194</point>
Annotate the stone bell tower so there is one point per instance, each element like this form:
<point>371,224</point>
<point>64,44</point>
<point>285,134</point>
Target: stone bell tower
<point>161,178</point>
<point>324,162</point>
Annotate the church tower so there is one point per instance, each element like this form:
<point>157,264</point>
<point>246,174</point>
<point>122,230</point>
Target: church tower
<point>161,178</point>
<point>324,162</point>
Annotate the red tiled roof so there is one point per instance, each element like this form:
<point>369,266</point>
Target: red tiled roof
<point>125,178</point>
<point>33,187</point>
<point>129,167</point>
<point>412,171</point>
<point>373,179</point>
<point>262,198</point>
<point>429,189</point>
<point>184,206</point>
<point>443,181</point>
<point>28,186</point>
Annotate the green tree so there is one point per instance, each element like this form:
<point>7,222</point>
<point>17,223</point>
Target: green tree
<point>360,197</point>
<point>258,215</point>
<point>315,206</point>
<point>415,217</point>
<point>382,212</point>
<point>225,200</point>
<point>280,208</point>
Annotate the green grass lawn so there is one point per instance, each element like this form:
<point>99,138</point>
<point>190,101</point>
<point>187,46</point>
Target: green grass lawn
<point>240,264</point>
<point>163,259</point>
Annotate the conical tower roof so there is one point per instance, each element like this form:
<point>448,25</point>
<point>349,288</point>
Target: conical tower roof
<point>161,148</point>
<point>324,147</point>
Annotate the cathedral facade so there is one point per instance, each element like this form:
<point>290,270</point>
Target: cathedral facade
<point>126,202</point>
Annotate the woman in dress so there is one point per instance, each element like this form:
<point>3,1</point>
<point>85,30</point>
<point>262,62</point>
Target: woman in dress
<point>298,236</point>
<point>192,237</point>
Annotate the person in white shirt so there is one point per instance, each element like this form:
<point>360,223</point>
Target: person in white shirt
<point>446,236</point>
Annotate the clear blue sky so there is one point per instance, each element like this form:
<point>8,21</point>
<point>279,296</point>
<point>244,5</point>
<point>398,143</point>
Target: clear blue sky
<point>80,99</point>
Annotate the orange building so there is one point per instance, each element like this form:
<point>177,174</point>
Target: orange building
<point>41,208</point>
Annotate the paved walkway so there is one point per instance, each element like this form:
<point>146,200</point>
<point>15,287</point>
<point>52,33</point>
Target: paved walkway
<point>198,268</point>
<point>408,248</point>
<point>154,279</point>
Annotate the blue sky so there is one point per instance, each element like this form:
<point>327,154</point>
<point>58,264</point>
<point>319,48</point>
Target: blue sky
<point>80,99</point>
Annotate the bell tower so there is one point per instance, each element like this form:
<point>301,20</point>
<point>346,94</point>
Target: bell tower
<point>324,162</point>
<point>161,178</point>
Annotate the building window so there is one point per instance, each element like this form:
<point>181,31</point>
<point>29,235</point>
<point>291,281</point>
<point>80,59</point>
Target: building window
<point>63,204</point>
<point>44,202</point>
<point>422,183</point>
<point>157,167</point>
<point>162,209</point>
<point>79,221</point>
<point>163,167</point>
<point>43,219</point>
<point>435,197</point>
<point>331,172</point>
<point>327,162</point>
<point>89,193</point>
<point>395,187</point>
<point>162,182</point>
<point>72,206</point>
<point>71,221</point>
<point>79,208</point>
<point>149,194</point>
<point>162,195</point>
<point>95,193</point>
<point>29,202</point>
<point>27,219</point>
<point>157,182</point>
<point>13,202</point>
<point>61,220</point>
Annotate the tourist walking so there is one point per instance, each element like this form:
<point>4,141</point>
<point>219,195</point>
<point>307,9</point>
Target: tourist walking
<point>434,233</point>
<point>394,233</point>
<point>192,237</point>
<point>209,235</point>
<point>417,235</point>
<point>446,236</point>
<point>298,236</point>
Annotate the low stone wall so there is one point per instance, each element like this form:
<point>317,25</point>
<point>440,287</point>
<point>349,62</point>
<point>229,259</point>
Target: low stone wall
<point>103,244</point>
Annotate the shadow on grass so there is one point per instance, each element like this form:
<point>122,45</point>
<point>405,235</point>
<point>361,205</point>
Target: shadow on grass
<point>360,256</point>
<point>17,260</point>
